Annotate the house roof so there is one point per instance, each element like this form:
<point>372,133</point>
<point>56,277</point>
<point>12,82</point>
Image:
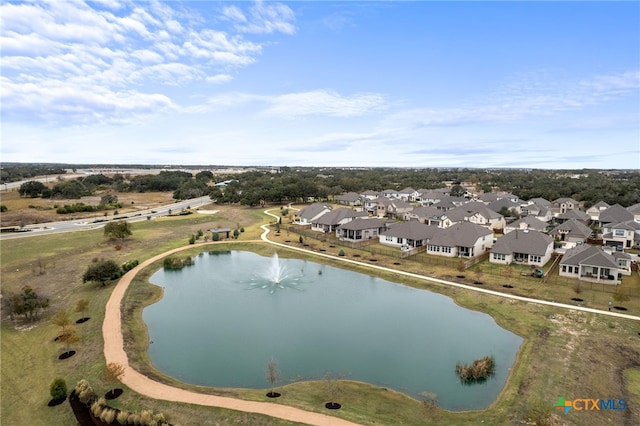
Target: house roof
<point>412,230</point>
<point>541,201</point>
<point>349,197</point>
<point>599,206</point>
<point>497,205</point>
<point>565,200</point>
<point>426,211</point>
<point>634,209</point>
<point>572,227</point>
<point>488,197</point>
<point>574,214</point>
<point>588,255</point>
<point>629,225</point>
<point>531,222</point>
<point>523,241</point>
<point>407,190</point>
<point>615,214</point>
<point>312,210</point>
<point>360,223</point>
<point>335,216</point>
<point>369,193</point>
<point>464,234</point>
<point>480,208</point>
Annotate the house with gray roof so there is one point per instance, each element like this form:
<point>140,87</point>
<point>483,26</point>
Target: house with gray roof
<point>502,203</point>
<point>408,194</point>
<point>615,214</point>
<point>361,229</point>
<point>423,214</point>
<point>540,201</point>
<point>432,196</point>
<point>313,211</point>
<point>538,210</point>
<point>464,239</point>
<point>522,246</point>
<point>590,263</point>
<point>370,195</point>
<point>329,221</point>
<point>526,222</point>
<point>621,235</point>
<point>635,211</point>
<point>478,213</point>
<point>409,234</point>
<point>563,204</point>
<point>595,210</point>
<point>350,199</point>
<point>573,214</point>
<point>571,231</point>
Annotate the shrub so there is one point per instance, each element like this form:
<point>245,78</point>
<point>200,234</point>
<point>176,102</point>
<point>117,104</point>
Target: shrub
<point>300,239</point>
<point>177,263</point>
<point>192,239</point>
<point>242,229</point>
<point>118,247</point>
<point>215,236</point>
<point>341,252</point>
<point>3,208</point>
<point>108,415</point>
<point>236,233</point>
<point>123,417</point>
<point>479,371</point>
<point>85,392</point>
<point>58,389</point>
<point>126,267</point>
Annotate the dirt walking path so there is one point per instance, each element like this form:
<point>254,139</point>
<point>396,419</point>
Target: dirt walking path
<point>114,352</point>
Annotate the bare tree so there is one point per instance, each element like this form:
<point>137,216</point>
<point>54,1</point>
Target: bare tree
<point>273,377</point>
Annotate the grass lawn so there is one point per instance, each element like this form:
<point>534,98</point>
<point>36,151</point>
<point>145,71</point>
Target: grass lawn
<point>566,353</point>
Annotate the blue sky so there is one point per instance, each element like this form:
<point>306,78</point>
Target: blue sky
<point>394,84</point>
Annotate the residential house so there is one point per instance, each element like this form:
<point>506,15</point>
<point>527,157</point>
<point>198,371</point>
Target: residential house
<point>390,193</point>
<point>370,195</point>
<point>432,196</point>
<point>635,211</point>
<point>407,234</point>
<point>488,197</point>
<point>541,202</point>
<point>504,203</point>
<point>621,235</point>
<point>590,263</point>
<point>329,221</point>
<point>615,214</point>
<point>594,210</point>
<point>361,229</point>
<point>308,214</point>
<point>574,214</point>
<point>464,239</point>
<point>423,214</point>
<point>478,213</point>
<point>538,210</point>
<point>408,194</point>
<point>562,205</point>
<point>522,246</point>
<point>571,231</point>
<point>526,222</point>
<point>350,199</point>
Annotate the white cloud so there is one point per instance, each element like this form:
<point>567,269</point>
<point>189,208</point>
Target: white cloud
<point>324,102</point>
<point>109,50</point>
<point>263,18</point>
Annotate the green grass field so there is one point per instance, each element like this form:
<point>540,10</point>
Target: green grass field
<point>566,353</point>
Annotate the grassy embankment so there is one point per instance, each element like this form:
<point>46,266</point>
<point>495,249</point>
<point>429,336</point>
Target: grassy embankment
<point>566,353</point>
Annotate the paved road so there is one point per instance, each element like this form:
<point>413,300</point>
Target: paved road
<point>84,224</point>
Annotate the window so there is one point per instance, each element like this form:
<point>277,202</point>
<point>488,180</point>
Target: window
<point>446,249</point>
<point>564,268</point>
<point>499,256</point>
<point>618,232</point>
<point>535,259</point>
<point>388,238</point>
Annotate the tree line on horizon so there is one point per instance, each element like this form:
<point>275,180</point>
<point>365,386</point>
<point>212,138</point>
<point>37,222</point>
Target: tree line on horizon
<point>258,187</point>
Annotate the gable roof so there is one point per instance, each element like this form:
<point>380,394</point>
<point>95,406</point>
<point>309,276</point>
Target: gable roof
<point>426,211</point>
<point>531,222</point>
<point>497,205</point>
<point>600,205</point>
<point>574,214</point>
<point>412,230</point>
<point>615,214</point>
<point>361,223</point>
<point>313,210</point>
<point>464,234</point>
<point>634,209</point>
<point>407,190</point>
<point>564,200</point>
<point>573,228</point>
<point>349,197</point>
<point>541,201</point>
<point>335,216</point>
<point>523,241</point>
<point>588,255</point>
<point>478,207</point>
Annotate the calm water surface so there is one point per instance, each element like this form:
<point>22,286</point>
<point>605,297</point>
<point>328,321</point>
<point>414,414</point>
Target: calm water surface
<point>221,320</point>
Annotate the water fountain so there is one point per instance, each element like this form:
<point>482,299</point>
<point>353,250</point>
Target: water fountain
<point>277,277</point>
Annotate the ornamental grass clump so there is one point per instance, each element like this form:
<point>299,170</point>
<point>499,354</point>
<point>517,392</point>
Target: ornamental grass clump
<point>478,371</point>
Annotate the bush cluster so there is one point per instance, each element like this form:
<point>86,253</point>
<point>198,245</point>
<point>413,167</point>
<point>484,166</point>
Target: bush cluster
<point>75,208</point>
<point>177,263</point>
<point>478,371</point>
<point>127,266</point>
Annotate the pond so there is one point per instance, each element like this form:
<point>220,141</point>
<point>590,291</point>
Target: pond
<point>223,319</point>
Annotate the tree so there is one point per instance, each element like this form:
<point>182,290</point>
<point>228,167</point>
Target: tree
<point>69,338</point>
<point>273,377</point>
<point>112,374</point>
<point>117,230</point>
<point>102,271</point>
<point>81,307</point>
<point>28,303</point>
<point>108,199</point>
<point>32,189</point>
<point>58,389</point>
<point>62,320</point>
